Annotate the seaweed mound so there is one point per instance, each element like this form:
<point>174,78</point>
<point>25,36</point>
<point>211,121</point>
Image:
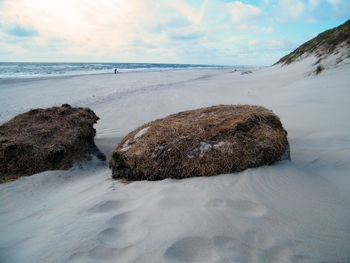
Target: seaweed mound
<point>46,139</point>
<point>203,142</point>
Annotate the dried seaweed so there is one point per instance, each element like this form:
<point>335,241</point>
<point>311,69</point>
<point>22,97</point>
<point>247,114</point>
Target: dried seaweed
<point>46,139</point>
<point>202,142</point>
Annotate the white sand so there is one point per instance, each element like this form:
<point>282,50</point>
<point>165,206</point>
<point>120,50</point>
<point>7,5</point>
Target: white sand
<point>293,211</point>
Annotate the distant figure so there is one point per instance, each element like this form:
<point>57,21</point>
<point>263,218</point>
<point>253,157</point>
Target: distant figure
<point>115,71</point>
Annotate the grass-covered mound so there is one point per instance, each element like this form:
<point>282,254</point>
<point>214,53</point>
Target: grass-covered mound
<point>323,45</point>
<point>203,142</point>
<point>46,139</point>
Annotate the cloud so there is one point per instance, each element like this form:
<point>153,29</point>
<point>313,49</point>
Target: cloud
<point>310,11</point>
<point>106,27</point>
<point>271,45</point>
<point>142,44</point>
<point>252,42</point>
<point>20,31</point>
<point>314,3</point>
<point>185,35</point>
<point>172,23</point>
<point>240,12</point>
<point>178,22</point>
<point>311,20</point>
<point>291,9</point>
<point>202,11</point>
<point>179,31</point>
<point>245,17</point>
<point>254,28</point>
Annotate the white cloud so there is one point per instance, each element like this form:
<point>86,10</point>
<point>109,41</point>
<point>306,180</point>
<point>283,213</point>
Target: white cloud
<point>202,11</point>
<point>313,3</point>
<point>245,17</point>
<point>105,27</point>
<point>252,42</point>
<point>85,24</point>
<point>254,28</point>
<point>240,12</point>
<point>290,9</point>
<point>311,20</point>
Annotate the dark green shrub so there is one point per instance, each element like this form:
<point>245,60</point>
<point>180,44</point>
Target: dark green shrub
<point>319,69</point>
<point>118,161</point>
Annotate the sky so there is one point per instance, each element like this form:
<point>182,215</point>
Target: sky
<point>220,32</point>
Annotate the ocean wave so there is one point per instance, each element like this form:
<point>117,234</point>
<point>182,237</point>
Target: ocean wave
<point>12,70</point>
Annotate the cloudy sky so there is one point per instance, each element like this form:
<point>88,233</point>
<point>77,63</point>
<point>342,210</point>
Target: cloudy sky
<point>166,31</point>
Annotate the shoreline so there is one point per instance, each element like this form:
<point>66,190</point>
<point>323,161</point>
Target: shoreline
<point>9,80</point>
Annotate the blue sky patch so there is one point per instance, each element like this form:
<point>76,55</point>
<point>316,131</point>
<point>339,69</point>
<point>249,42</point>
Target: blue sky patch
<point>20,31</point>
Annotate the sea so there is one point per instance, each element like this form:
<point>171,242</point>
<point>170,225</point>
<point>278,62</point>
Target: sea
<point>14,70</point>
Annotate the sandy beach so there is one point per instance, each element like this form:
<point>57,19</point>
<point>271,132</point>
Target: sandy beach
<point>292,211</point>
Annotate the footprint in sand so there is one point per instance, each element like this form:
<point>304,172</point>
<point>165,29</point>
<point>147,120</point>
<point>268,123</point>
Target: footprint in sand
<point>289,251</point>
<point>259,239</point>
<point>303,259</point>
<point>121,219</point>
<point>244,207</point>
<point>122,230</point>
<point>108,206</point>
<point>103,254</point>
<point>275,254</point>
<point>266,249</point>
<point>241,249</point>
<point>122,237</point>
<point>226,242</point>
<point>191,249</point>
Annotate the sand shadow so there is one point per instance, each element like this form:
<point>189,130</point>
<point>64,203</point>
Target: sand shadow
<point>107,145</point>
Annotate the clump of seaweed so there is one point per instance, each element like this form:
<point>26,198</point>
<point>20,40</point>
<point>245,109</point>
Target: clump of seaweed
<point>46,139</point>
<point>203,142</point>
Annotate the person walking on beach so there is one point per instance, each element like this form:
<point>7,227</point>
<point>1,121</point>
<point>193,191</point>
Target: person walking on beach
<point>115,71</point>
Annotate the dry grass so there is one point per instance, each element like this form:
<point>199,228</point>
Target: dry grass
<point>46,139</point>
<point>241,136</point>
